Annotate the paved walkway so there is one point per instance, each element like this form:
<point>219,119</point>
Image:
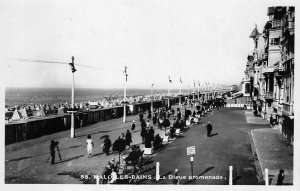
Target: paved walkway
<point>29,164</point>
<point>274,152</point>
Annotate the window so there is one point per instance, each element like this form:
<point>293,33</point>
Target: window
<point>247,88</point>
<point>274,41</point>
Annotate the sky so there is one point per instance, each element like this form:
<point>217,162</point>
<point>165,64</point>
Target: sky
<point>205,41</point>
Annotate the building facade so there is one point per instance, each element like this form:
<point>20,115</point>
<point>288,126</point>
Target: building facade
<point>270,69</point>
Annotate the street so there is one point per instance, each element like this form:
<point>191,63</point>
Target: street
<point>229,146</point>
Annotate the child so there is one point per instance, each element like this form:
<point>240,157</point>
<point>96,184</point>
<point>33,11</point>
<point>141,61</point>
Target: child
<point>89,146</point>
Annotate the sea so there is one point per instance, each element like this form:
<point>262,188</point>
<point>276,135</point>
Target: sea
<point>28,96</point>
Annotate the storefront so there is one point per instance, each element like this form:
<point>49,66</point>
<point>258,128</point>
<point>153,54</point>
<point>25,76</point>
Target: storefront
<point>288,127</point>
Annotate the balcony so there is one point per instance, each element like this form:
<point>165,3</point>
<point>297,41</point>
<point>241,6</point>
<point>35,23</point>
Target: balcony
<point>278,67</point>
<point>265,56</point>
<point>277,24</point>
<point>288,65</point>
<point>267,70</point>
<point>288,109</point>
<point>269,95</point>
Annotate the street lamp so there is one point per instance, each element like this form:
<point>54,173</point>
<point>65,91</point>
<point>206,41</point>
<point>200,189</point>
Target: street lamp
<point>72,102</point>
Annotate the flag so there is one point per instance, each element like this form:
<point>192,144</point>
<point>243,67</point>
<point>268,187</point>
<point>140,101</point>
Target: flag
<point>170,79</point>
<point>180,80</point>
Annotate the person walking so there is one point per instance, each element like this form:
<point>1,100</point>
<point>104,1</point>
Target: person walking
<point>209,129</point>
<point>143,124</point>
<point>143,134</point>
<point>154,119</point>
<point>149,114</point>
<point>160,121</point>
<point>280,177</point>
<point>89,146</point>
<point>106,145</point>
<point>128,138</point>
<point>151,133</point>
<point>133,126</point>
<point>141,115</point>
<point>148,140</point>
<point>148,124</point>
<point>178,113</point>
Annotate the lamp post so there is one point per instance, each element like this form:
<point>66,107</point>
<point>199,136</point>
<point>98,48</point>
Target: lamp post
<point>124,100</point>
<point>72,98</point>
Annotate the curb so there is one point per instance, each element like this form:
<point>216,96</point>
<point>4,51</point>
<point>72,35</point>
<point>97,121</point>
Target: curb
<point>259,172</point>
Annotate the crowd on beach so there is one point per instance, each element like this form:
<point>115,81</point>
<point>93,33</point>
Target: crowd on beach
<point>54,108</point>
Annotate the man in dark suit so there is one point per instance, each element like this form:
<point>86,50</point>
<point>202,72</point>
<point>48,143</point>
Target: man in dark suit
<point>209,128</point>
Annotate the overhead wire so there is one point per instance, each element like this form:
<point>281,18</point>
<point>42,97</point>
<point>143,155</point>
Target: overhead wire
<point>55,62</point>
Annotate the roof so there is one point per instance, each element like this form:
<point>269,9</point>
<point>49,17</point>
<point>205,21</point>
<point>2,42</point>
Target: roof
<point>254,33</point>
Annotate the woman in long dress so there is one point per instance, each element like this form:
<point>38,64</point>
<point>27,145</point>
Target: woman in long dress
<point>89,146</point>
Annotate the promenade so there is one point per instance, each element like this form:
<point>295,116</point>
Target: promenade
<point>239,140</point>
<point>29,164</point>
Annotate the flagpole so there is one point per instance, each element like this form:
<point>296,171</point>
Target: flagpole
<point>180,92</point>
<point>124,101</point>
<point>194,92</point>
<point>152,98</point>
<point>198,90</point>
<point>169,92</point>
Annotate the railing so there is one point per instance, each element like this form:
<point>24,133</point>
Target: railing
<point>288,108</point>
<point>278,67</point>
<point>289,64</point>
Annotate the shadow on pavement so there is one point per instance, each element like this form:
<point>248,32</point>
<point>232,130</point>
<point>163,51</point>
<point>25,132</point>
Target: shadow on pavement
<point>149,162</point>
<point>69,159</point>
<point>17,159</point>
<point>236,179</point>
<point>23,158</point>
<point>167,173</point>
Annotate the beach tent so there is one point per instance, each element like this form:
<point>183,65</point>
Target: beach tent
<point>41,113</point>
<point>60,111</point>
<point>16,115</point>
<point>24,113</point>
